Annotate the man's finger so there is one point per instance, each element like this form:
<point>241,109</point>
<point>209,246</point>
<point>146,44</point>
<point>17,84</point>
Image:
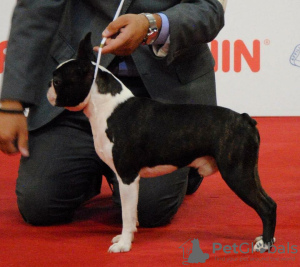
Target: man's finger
<point>112,45</point>
<point>23,144</point>
<point>8,148</point>
<point>114,27</point>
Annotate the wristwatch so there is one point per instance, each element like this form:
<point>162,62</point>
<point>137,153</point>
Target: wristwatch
<point>152,31</point>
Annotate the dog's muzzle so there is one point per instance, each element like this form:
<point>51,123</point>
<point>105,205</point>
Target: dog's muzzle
<point>51,95</point>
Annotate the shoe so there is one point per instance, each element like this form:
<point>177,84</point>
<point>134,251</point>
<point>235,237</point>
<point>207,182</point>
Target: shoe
<point>194,181</point>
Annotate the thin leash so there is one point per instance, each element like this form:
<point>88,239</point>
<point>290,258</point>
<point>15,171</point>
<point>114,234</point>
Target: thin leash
<point>103,43</point>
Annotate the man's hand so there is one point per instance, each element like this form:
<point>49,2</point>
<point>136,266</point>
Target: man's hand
<point>13,130</point>
<point>126,33</point>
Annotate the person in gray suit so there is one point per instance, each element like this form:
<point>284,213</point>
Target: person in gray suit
<point>162,54</point>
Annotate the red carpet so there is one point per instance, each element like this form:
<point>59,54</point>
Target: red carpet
<point>212,215</point>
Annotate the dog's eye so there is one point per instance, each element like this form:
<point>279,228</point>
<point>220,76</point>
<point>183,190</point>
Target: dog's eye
<point>56,82</point>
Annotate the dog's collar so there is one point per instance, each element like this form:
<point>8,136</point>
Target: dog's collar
<point>72,59</point>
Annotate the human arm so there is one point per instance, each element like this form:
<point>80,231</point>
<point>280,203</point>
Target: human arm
<point>33,26</point>
<point>191,23</point>
<point>131,29</point>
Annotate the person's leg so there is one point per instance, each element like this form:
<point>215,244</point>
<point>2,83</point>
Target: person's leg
<point>161,197</point>
<point>61,173</point>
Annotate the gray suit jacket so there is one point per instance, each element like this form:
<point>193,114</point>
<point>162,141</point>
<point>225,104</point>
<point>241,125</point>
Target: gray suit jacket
<point>46,33</point>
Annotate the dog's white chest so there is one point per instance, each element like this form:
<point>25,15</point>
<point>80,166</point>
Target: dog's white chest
<point>99,109</point>
<point>98,113</point>
<point>102,144</point>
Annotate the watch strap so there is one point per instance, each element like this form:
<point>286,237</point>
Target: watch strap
<point>152,31</point>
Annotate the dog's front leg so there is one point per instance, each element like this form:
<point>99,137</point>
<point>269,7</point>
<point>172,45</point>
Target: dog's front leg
<point>129,200</point>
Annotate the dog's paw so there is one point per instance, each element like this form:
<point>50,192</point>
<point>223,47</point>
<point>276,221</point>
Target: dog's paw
<point>116,239</point>
<point>258,238</point>
<point>120,246</point>
<point>262,247</point>
<point>261,237</point>
<point>121,243</point>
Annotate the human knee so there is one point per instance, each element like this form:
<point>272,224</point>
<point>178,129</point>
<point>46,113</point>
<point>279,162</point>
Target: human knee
<point>156,214</point>
<point>36,209</point>
<point>160,198</point>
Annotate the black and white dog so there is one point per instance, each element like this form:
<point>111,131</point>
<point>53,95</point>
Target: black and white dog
<point>142,137</point>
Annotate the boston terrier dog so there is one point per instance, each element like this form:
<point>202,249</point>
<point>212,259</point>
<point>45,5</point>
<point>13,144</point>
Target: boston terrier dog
<point>140,137</point>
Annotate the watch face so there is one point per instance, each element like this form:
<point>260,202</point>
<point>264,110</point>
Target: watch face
<point>152,35</point>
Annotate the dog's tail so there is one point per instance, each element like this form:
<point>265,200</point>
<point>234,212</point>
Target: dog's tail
<point>252,121</point>
<point>253,124</point>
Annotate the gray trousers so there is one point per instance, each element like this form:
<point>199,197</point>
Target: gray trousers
<point>63,171</point>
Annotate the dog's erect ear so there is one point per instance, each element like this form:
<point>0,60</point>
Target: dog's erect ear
<point>85,50</point>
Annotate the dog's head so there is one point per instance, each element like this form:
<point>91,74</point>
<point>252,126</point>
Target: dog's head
<point>72,80</point>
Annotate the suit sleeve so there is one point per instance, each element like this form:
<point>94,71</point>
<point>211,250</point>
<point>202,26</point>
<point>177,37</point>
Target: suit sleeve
<point>193,23</point>
<point>33,25</point>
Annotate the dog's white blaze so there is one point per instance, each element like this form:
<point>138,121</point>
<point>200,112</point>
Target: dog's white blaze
<point>51,95</point>
<point>206,165</point>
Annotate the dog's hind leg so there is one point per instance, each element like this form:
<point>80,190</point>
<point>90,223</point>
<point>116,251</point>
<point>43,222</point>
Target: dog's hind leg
<point>244,181</point>
<point>129,201</point>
